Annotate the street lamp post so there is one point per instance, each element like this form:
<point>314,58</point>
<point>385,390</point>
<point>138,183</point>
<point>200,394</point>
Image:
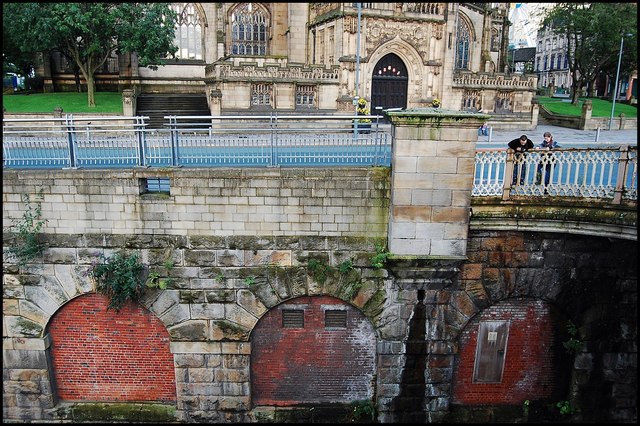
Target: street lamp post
<point>615,88</point>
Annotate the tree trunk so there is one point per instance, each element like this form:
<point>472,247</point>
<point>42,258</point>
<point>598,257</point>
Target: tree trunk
<point>575,93</point>
<point>76,71</point>
<point>90,91</point>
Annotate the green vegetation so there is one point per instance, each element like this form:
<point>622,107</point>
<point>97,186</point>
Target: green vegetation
<point>111,103</point>
<point>574,344</point>
<point>363,410</point>
<point>319,270</point>
<point>155,280</point>
<point>26,245</point>
<point>88,33</point>
<point>71,103</point>
<point>600,107</point>
<point>379,259</point>
<point>566,408</point>
<point>118,277</point>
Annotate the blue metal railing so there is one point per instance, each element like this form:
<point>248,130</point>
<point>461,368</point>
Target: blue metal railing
<point>238,141</point>
<point>296,141</point>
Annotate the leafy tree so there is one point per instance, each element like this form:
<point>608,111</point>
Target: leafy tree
<point>593,31</point>
<point>13,58</point>
<point>90,32</point>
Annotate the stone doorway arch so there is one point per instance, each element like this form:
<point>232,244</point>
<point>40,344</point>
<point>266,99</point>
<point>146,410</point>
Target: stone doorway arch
<point>389,83</point>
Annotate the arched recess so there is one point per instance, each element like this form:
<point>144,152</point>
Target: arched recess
<point>104,355</point>
<point>312,349</point>
<point>411,61</point>
<point>389,83</point>
<point>511,352</point>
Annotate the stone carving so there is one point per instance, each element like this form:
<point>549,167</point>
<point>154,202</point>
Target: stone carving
<point>272,72</point>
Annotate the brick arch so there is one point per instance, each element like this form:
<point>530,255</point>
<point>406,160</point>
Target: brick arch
<point>318,362</point>
<point>104,355</point>
<point>532,357</point>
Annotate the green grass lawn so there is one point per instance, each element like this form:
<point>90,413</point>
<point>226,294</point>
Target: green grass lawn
<point>111,102</point>
<point>600,108</point>
<point>71,102</point>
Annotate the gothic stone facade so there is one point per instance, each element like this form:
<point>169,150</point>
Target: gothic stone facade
<point>318,57</point>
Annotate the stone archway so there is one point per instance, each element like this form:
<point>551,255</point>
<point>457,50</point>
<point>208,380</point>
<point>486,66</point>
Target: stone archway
<point>389,83</point>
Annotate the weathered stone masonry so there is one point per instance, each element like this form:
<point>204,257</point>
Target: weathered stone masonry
<point>241,242</point>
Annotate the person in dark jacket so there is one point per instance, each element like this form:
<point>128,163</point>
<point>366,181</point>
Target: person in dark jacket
<point>547,144</point>
<point>520,146</point>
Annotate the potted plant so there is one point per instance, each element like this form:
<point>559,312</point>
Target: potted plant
<point>364,124</point>
<point>435,103</point>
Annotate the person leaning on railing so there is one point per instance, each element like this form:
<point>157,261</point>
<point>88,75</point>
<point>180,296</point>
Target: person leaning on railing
<point>520,146</point>
<point>547,144</point>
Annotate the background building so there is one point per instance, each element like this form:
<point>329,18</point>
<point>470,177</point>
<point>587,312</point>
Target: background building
<point>320,57</point>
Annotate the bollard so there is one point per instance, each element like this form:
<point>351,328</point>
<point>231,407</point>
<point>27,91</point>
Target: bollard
<point>597,134</point>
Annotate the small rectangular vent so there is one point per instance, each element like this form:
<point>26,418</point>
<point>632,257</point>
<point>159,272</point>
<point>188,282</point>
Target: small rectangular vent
<point>292,318</point>
<point>335,318</point>
<point>156,186</point>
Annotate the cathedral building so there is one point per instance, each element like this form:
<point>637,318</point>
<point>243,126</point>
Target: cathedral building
<point>257,58</point>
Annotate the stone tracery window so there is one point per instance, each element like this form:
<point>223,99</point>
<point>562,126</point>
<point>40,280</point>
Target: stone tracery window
<point>188,36</point>
<point>306,95</point>
<point>249,26</point>
<point>495,40</point>
<point>463,44</point>
<point>504,102</point>
<point>471,100</point>
<point>261,95</point>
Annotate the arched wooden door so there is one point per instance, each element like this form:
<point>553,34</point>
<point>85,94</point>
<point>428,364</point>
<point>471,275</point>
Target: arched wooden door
<point>389,84</point>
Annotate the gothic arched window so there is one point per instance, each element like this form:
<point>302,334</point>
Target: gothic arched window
<point>463,44</point>
<point>188,31</point>
<point>249,25</point>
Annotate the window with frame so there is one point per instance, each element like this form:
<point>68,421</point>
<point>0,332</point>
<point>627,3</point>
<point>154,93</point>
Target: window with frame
<point>463,44</point>
<point>306,95</point>
<point>320,46</point>
<point>331,46</point>
<point>188,35</point>
<point>249,26</point>
<point>471,100</point>
<point>495,40</point>
<point>261,94</point>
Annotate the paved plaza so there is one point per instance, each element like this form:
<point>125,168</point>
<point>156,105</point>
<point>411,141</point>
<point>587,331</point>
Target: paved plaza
<point>565,136</point>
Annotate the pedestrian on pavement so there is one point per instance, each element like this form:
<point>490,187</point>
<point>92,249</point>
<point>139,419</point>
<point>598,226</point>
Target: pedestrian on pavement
<point>546,159</point>
<point>520,146</point>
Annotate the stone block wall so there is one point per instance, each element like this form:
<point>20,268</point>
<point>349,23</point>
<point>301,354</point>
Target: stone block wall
<point>336,202</point>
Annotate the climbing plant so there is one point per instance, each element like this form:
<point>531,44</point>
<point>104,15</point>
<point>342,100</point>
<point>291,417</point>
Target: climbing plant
<point>26,245</point>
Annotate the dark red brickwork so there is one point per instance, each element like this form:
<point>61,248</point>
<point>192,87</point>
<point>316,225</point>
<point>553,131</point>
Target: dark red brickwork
<point>314,363</point>
<point>529,366</point>
<point>104,355</point>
